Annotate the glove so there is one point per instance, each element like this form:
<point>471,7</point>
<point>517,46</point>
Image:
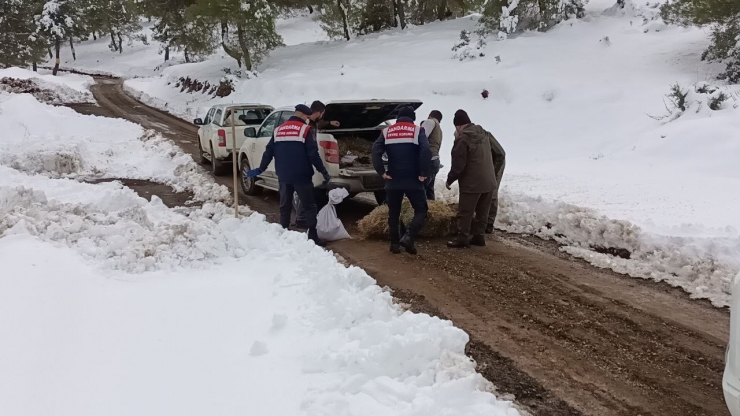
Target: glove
<point>327,178</point>
<point>254,173</point>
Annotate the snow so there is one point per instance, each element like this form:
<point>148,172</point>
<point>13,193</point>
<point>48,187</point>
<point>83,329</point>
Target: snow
<point>69,88</point>
<point>580,110</point>
<point>111,304</point>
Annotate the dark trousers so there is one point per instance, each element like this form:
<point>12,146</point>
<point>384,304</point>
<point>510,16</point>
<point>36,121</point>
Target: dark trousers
<point>307,203</point>
<point>472,214</point>
<point>429,184</point>
<point>494,201</point>
<point>394,199</point>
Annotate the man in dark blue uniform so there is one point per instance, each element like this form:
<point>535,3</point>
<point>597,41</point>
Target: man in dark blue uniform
<point>296,153</point>
<point>409,161</point>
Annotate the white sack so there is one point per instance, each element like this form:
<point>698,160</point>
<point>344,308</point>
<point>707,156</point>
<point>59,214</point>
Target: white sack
<point>328,226</point>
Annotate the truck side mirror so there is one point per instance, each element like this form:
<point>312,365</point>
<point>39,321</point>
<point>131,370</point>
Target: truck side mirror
<point>250,132</point>
<point>198,122</point>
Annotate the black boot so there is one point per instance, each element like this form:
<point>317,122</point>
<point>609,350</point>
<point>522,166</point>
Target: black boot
<point>408,243</point>
<point>314,236</point>
<point>489,229</point>
<point>478,240</point>
<point>395,248</point>
<point>459,242</point>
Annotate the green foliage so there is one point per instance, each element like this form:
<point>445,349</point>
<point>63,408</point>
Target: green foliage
<point>515,16</point>
<point>20,44</point>
<point>723,16</point>
<point>677,97</point>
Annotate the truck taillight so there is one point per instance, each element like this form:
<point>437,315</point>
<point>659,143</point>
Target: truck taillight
<point>221,138</point>
<point>331,151</point>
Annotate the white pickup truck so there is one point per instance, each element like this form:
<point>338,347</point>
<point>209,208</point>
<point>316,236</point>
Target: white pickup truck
<point>214,133</point>
<point>346,150</point>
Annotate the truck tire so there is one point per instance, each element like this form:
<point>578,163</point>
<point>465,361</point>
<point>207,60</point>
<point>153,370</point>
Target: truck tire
<point>249,186</point>
<point>201,154</point>
<point>217,166</point>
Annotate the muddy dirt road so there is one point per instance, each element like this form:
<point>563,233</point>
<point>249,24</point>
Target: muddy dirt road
<point>563,337</point>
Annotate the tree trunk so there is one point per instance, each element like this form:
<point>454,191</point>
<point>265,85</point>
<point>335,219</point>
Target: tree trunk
<point>120,43</point>
<point>35,67</point>
<point>72,46</point>
<point>244,47</point>
<point>51,55</point>
<point>167,53</point>
<point>310,9</point>
<point>187,56</point>
<point>232,53</point>
<point>95,35</point>
<point>343,13</point>
<point>113,41</point>
<point>442,10</point>
<point>423,7</point>
<point>57,48</point>
<point>401,14</point>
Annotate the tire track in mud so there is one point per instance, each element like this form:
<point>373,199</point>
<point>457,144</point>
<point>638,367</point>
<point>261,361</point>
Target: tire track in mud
<point>562,336</point>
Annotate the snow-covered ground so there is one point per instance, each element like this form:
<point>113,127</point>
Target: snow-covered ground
<point>575,108</point>
<point>63,88</point>
<point>114,305</point>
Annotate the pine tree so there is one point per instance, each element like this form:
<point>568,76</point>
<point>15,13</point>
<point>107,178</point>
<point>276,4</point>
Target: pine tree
<point>58,20</point>
<point>20,44</point>
<point>723,16</point>
<point>247,27</point>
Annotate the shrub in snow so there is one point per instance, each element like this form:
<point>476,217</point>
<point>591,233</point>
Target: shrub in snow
<point>678,97</point>
<point>463,50</point>
<point>510,16</point>
<point>703,95</point>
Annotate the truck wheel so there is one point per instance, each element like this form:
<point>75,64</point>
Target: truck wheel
<point>217,166</point>
<point>249,187</point>
<point>380,197</point>
<point>202,157</point>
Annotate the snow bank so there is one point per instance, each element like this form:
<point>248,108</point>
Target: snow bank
<point>586,138</point>
<point>110,304</point>
<point>61,89</point>
<point>61,143</point>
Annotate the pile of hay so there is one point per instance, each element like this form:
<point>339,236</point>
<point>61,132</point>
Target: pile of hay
<point>441,221</point>
<point>362,148</point>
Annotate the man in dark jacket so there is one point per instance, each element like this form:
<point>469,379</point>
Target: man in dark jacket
<point>472,167</point>
<point>316,120</point>
<point>433,131</point>
<point>296,153</point>
<point>499,163</point>
<point>409,158</point>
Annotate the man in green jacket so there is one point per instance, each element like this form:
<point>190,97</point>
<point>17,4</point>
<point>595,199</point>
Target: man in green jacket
<point>472,167</point>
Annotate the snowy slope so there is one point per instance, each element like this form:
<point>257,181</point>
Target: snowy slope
<point>110,304</point>
<point>64,88</point>
<point>587,164</point>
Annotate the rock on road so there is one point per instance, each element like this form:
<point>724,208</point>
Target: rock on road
<point>565,338</point>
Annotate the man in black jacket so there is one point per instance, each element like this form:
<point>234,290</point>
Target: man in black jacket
<point>409,159</point>
<point>296,153</point>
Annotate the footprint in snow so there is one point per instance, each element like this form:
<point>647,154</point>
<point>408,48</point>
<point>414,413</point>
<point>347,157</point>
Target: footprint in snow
<point>278,321</point>
<point>258,348</point>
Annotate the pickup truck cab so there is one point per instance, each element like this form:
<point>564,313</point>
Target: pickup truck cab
<point>214,133</point>
<point>346,150</point>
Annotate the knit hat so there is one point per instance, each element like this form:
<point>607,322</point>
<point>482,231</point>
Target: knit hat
<point>461,118</point>
<point>302,108</point>
<point>407,112</point>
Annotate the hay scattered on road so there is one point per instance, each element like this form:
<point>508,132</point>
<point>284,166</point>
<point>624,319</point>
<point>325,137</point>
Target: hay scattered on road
<point>440,221</point>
